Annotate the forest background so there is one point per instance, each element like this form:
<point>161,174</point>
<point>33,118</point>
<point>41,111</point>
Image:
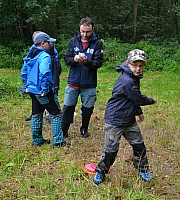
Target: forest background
<point>154,23</point>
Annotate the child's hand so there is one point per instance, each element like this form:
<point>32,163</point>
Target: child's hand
<point>154,101</point>
<point>141,118</point>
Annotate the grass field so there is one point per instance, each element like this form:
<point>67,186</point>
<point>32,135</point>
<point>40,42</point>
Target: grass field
<point>28,173</point>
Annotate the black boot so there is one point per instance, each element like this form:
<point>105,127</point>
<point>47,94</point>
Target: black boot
<point>84,132</point>
<point>86,116</point>
<point>65,128</point>
<point>67,118</point>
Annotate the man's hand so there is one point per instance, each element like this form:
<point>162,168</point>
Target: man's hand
<point>79,58</point>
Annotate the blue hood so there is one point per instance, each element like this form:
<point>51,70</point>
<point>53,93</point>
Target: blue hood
<point>36,72</point>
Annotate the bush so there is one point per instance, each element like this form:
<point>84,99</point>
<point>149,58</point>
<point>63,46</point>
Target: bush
<point>9,60</point>
<point>160,56</point>
<point>7,90</point>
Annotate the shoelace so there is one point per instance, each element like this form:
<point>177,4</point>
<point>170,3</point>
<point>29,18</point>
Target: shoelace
<point>146,175</point>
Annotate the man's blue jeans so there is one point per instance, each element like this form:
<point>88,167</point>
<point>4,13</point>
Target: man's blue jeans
<point>88,96</point>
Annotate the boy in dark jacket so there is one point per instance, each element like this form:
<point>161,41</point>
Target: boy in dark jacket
<point>121,110</point>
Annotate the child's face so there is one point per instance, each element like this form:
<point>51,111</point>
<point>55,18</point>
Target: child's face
<point>45,45</point>
<point>137,67</point>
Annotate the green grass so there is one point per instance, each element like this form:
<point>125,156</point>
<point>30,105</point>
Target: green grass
<point>53,174</point>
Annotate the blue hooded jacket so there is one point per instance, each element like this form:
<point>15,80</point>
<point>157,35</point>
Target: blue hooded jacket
<point>84,75</point>
<point>126,99</point>
<point>36,72</point>
<point>56,65</point>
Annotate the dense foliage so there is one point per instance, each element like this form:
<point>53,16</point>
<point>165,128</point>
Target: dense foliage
<point>123,25</point>
<point>160,56</point>
<point>128,20</point>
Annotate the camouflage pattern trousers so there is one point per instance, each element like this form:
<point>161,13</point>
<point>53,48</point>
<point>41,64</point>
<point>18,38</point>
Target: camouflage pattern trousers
<point>112,139</point>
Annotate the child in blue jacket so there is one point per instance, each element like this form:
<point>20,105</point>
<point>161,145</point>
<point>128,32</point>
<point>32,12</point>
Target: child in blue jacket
<point>121,110</point>
<point>37,77</point>
<point>56,71</point>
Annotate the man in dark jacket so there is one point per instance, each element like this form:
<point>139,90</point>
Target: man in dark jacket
<point>121,110</point>
<point>84,56</point>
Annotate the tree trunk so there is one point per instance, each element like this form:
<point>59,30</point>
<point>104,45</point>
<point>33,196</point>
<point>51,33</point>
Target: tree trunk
<point>174,23</point>
<point>134,19</point>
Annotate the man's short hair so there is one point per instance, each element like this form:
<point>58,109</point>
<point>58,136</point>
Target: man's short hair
<point>86,21</point>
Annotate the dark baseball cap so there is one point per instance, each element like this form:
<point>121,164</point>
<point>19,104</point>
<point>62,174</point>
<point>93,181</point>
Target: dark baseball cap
<point>42,37</point>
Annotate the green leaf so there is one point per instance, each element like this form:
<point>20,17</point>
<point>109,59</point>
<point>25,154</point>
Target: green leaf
<point>8,165</point>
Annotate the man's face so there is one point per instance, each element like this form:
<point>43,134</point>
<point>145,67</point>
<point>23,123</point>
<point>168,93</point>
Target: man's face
<point>86,32</point>
<point>137,67</point>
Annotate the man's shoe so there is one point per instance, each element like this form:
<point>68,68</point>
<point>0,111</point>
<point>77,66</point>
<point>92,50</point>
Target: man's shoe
<point>99,178</point>
<point>40,144</point>
<point>145,176</point>
<point>28,118</point>
<point>84,132</point>
<point>62,144</point>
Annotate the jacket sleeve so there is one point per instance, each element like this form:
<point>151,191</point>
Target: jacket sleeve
<point>45,71</point>
<point>134,94</point>
<point>56,53</point>
<point>69,56</point>
<point>139,111</point>
<point>97,58</point>
<point>24,74</point>
<point>56,61</point>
